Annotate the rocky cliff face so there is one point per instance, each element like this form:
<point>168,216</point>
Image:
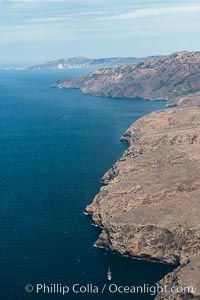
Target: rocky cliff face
<point>183,283</point>
<point>150,205</point>
<point>174,78</point>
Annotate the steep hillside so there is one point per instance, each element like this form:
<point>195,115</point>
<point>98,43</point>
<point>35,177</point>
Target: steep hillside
<point>175,78</point>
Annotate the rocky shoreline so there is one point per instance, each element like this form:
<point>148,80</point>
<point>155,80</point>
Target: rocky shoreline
<point>149,206</point>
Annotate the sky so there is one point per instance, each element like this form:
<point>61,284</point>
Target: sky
<point>35,31</point>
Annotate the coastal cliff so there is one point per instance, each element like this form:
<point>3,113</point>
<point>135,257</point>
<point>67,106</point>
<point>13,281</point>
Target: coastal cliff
<point>149,206</point>
<point>174,78</point>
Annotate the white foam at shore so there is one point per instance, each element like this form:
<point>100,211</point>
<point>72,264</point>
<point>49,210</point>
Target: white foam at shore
<point>85,213</point>
<point>95,225</point>
<point>95,245</point>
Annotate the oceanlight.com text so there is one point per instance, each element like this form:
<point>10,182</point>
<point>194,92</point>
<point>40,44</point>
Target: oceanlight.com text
<point>76,288</point>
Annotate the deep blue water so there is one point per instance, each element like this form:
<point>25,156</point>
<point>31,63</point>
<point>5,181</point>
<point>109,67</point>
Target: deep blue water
<point>55,145</point>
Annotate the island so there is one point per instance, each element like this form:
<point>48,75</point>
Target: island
<point>79,62</point>
<point>149,204</point>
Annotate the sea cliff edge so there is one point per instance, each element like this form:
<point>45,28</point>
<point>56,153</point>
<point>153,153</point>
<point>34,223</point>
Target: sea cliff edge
<point>149,206</point>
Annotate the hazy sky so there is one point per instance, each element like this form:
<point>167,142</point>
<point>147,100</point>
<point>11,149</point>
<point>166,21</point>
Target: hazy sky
<point>40,30</point>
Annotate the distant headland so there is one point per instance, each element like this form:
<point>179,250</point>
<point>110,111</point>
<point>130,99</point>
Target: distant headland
<point>80,63</point>
<point>174,78</point>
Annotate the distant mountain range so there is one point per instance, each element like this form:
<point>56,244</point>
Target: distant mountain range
<point>80,63</point>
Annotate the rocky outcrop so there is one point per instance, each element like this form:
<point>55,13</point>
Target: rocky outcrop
<point>150,205</point>
<point>175,78</point>
<point>186,100</point>
<point>183,283</point>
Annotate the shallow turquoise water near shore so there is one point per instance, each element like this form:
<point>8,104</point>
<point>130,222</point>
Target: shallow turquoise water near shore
<point>55,145</point>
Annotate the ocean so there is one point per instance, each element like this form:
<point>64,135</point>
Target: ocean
<point>55,145</point>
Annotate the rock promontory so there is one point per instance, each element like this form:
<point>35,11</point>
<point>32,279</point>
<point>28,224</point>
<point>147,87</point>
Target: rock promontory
<point>175,78</point>
<point>149,206</point>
